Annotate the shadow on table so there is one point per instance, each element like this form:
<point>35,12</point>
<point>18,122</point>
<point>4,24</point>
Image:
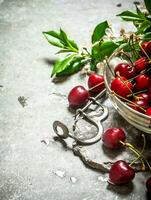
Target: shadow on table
<point>122,190</point>
<point>51,62</point>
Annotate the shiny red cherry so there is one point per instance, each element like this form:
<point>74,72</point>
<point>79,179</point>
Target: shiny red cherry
<point>112,137</point>
<point>78,97</point>
<point>125,70</point>
<point>139,105</point>
<point>148,111</point>
<point>121,173</point>
<point>143,96</point>
<point>96,83</point>
<point>147,48</point>
<point>121,86</point>
<point>142,82</point>
<point>148,184</point>
<point>141,64</point>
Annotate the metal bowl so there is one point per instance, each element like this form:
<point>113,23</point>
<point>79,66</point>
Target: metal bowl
<point>137,119</point>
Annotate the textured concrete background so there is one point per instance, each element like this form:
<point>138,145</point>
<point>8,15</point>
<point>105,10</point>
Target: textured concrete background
<point>29,169</point>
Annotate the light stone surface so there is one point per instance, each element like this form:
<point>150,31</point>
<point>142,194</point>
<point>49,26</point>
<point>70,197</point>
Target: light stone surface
<point>27,165</point>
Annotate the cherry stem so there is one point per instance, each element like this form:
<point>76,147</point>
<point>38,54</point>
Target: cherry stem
<point>142,72</point>
<point>132,47</point>
<point>127,56</point>
<point>144,145</point>
<point>133,149</point>
<point>139,92</point>
<point>125,83</point>
<point>144,51</point>
<point>128,101</point>
<point>132,39</point>
<point>109,67</point>
<point>95,86</point>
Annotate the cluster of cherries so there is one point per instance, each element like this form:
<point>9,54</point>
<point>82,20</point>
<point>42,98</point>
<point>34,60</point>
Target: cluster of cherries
<point>128,78</point>
<point>132,81</point>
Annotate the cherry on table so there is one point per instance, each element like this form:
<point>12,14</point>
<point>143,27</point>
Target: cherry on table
<point>121,173</point>
<point>121,86</point>
<point>96,83</point>
<point>78,97</point>
<point>112,137</point>
<point>125,70</point>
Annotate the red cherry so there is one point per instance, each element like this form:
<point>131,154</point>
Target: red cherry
<point>148,184</point>
<point>143,96</point>
<point>125,70</point>
<point>96,83</point>
<point>112,137</point>
<point>148,111</point>
<point>139,105</point>
<point>78,97</point>
<point>141,64</point>
<point>142,82</point>
<point>121,86</point>
<point>147,48</point>
<point>121,173</point>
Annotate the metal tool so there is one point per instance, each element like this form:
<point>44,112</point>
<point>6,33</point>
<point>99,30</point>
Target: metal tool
<point>94,117</point>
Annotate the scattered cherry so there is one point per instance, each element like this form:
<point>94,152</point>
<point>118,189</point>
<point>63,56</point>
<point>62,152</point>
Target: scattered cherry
<point>141,64</point>
<point>112,137</point>
<point>142,82</point>
<point>125,70</point>
<point>78,97</point>
<point>96,83</point>
<point>148,185</point>
<point>121,86</point>
<point>121,173</point>
<point>148,111</point>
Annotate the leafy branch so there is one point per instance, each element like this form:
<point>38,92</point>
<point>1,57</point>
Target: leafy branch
<point>75,58</point>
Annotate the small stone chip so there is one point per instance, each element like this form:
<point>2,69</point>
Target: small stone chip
<point>60,173</point>
<point>100,178</point>
<point>73,179</point>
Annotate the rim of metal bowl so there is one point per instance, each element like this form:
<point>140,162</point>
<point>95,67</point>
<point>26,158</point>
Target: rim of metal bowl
<point>108,89</point>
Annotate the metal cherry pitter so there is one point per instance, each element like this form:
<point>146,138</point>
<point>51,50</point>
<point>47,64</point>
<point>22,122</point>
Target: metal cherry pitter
<point>94,113</point>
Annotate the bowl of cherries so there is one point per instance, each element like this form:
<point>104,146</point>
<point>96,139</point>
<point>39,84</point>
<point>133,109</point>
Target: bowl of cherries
<point>128,84</point>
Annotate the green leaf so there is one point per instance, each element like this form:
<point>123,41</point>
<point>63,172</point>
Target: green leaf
<point>147,36</point>
<point>148,5</point>
<point>93,65</point>
<point>99,31</point>
<point>143,26</point>
<point>60,39</point>
<point>64,51</point>
<point>67,41</point>
<point>103,49</point>
<point>53,38</point>
<point>130,16</point>
<point>75,65</point>
<point>62,64</point>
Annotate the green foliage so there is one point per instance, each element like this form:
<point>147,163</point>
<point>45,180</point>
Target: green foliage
<point>99,31</point>
<point>75,59</point>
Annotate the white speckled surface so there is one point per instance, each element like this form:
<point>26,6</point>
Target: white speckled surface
<point>27,166</point>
